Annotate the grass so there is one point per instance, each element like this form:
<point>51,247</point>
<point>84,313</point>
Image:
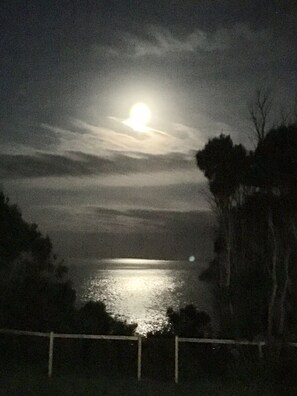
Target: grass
<point>30,382</point>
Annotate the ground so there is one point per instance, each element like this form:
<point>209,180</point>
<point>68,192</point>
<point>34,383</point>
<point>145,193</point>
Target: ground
<point>23,383</point>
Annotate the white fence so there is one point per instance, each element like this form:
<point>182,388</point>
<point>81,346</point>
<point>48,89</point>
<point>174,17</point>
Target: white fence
<point>53,335</point>
<point>212,341</point>
<point>260,345</point>
<point>178,340</point>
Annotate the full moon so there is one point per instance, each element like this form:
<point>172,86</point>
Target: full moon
<point>140,116</point>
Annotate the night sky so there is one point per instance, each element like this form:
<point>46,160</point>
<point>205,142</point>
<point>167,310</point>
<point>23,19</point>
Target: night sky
<point>70,72</point>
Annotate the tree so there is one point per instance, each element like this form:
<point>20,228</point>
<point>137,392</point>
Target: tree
<point>276,160</point>
<point>34,294</point>
<point>225,166</point>
<point>92,318</point>
<point>260,112</point>
<point>189,322</point>
<point>255,247</point>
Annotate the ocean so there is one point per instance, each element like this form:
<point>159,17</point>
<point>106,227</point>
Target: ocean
<point>140,291</point>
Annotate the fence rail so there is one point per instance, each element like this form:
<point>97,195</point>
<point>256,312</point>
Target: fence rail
<point>177,340</point>
<point>53,335</point>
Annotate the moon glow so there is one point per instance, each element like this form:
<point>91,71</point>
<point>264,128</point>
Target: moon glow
<point>140,116</point>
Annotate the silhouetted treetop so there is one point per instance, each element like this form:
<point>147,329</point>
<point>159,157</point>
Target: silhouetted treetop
<point>224,164</point>
<point>276,158</point>
<point>20,240</point>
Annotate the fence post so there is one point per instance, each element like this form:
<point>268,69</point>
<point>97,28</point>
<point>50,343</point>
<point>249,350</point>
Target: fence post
<point>139,359</point>
<point>50,354</point>
<point>176,361</point>
<point>260,349</point>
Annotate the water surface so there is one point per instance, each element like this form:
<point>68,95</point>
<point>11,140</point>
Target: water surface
<point>140,291</point>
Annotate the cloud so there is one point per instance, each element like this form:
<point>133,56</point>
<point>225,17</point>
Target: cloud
<point>162,222</point>
<point>98,140</point>
<point>156,220</point>
<point>74,164</point>
<point>139,233</point>
<point>159,41</point>
<point>81,202</point>
<point>79,207</point>
<point>93,218</point>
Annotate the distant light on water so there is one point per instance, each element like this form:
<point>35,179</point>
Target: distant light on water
<point>192,259</point>
<point>137,261</point>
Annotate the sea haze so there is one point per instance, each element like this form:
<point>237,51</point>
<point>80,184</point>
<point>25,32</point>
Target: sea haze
<point>138,290</point>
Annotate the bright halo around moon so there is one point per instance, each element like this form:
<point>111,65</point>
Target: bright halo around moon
<point>140,116</point>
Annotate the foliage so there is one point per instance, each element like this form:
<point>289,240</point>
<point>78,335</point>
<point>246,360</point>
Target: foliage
<point>223,164</point>
<point>186,322</point>
<point>189,322</point>
<point>254,268</point>
<point>92,318</point>
<point>34,294</point>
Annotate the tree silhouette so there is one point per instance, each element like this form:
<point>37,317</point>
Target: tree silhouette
<point>34,294</point>
<point>189,322</point>
<point>255,248</point>
<point>260,110</point>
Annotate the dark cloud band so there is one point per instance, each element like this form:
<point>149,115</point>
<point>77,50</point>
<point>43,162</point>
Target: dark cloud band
<point>82,164</point>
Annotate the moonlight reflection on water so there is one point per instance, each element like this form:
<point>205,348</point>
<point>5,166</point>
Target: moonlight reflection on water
<point>140,291</point>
